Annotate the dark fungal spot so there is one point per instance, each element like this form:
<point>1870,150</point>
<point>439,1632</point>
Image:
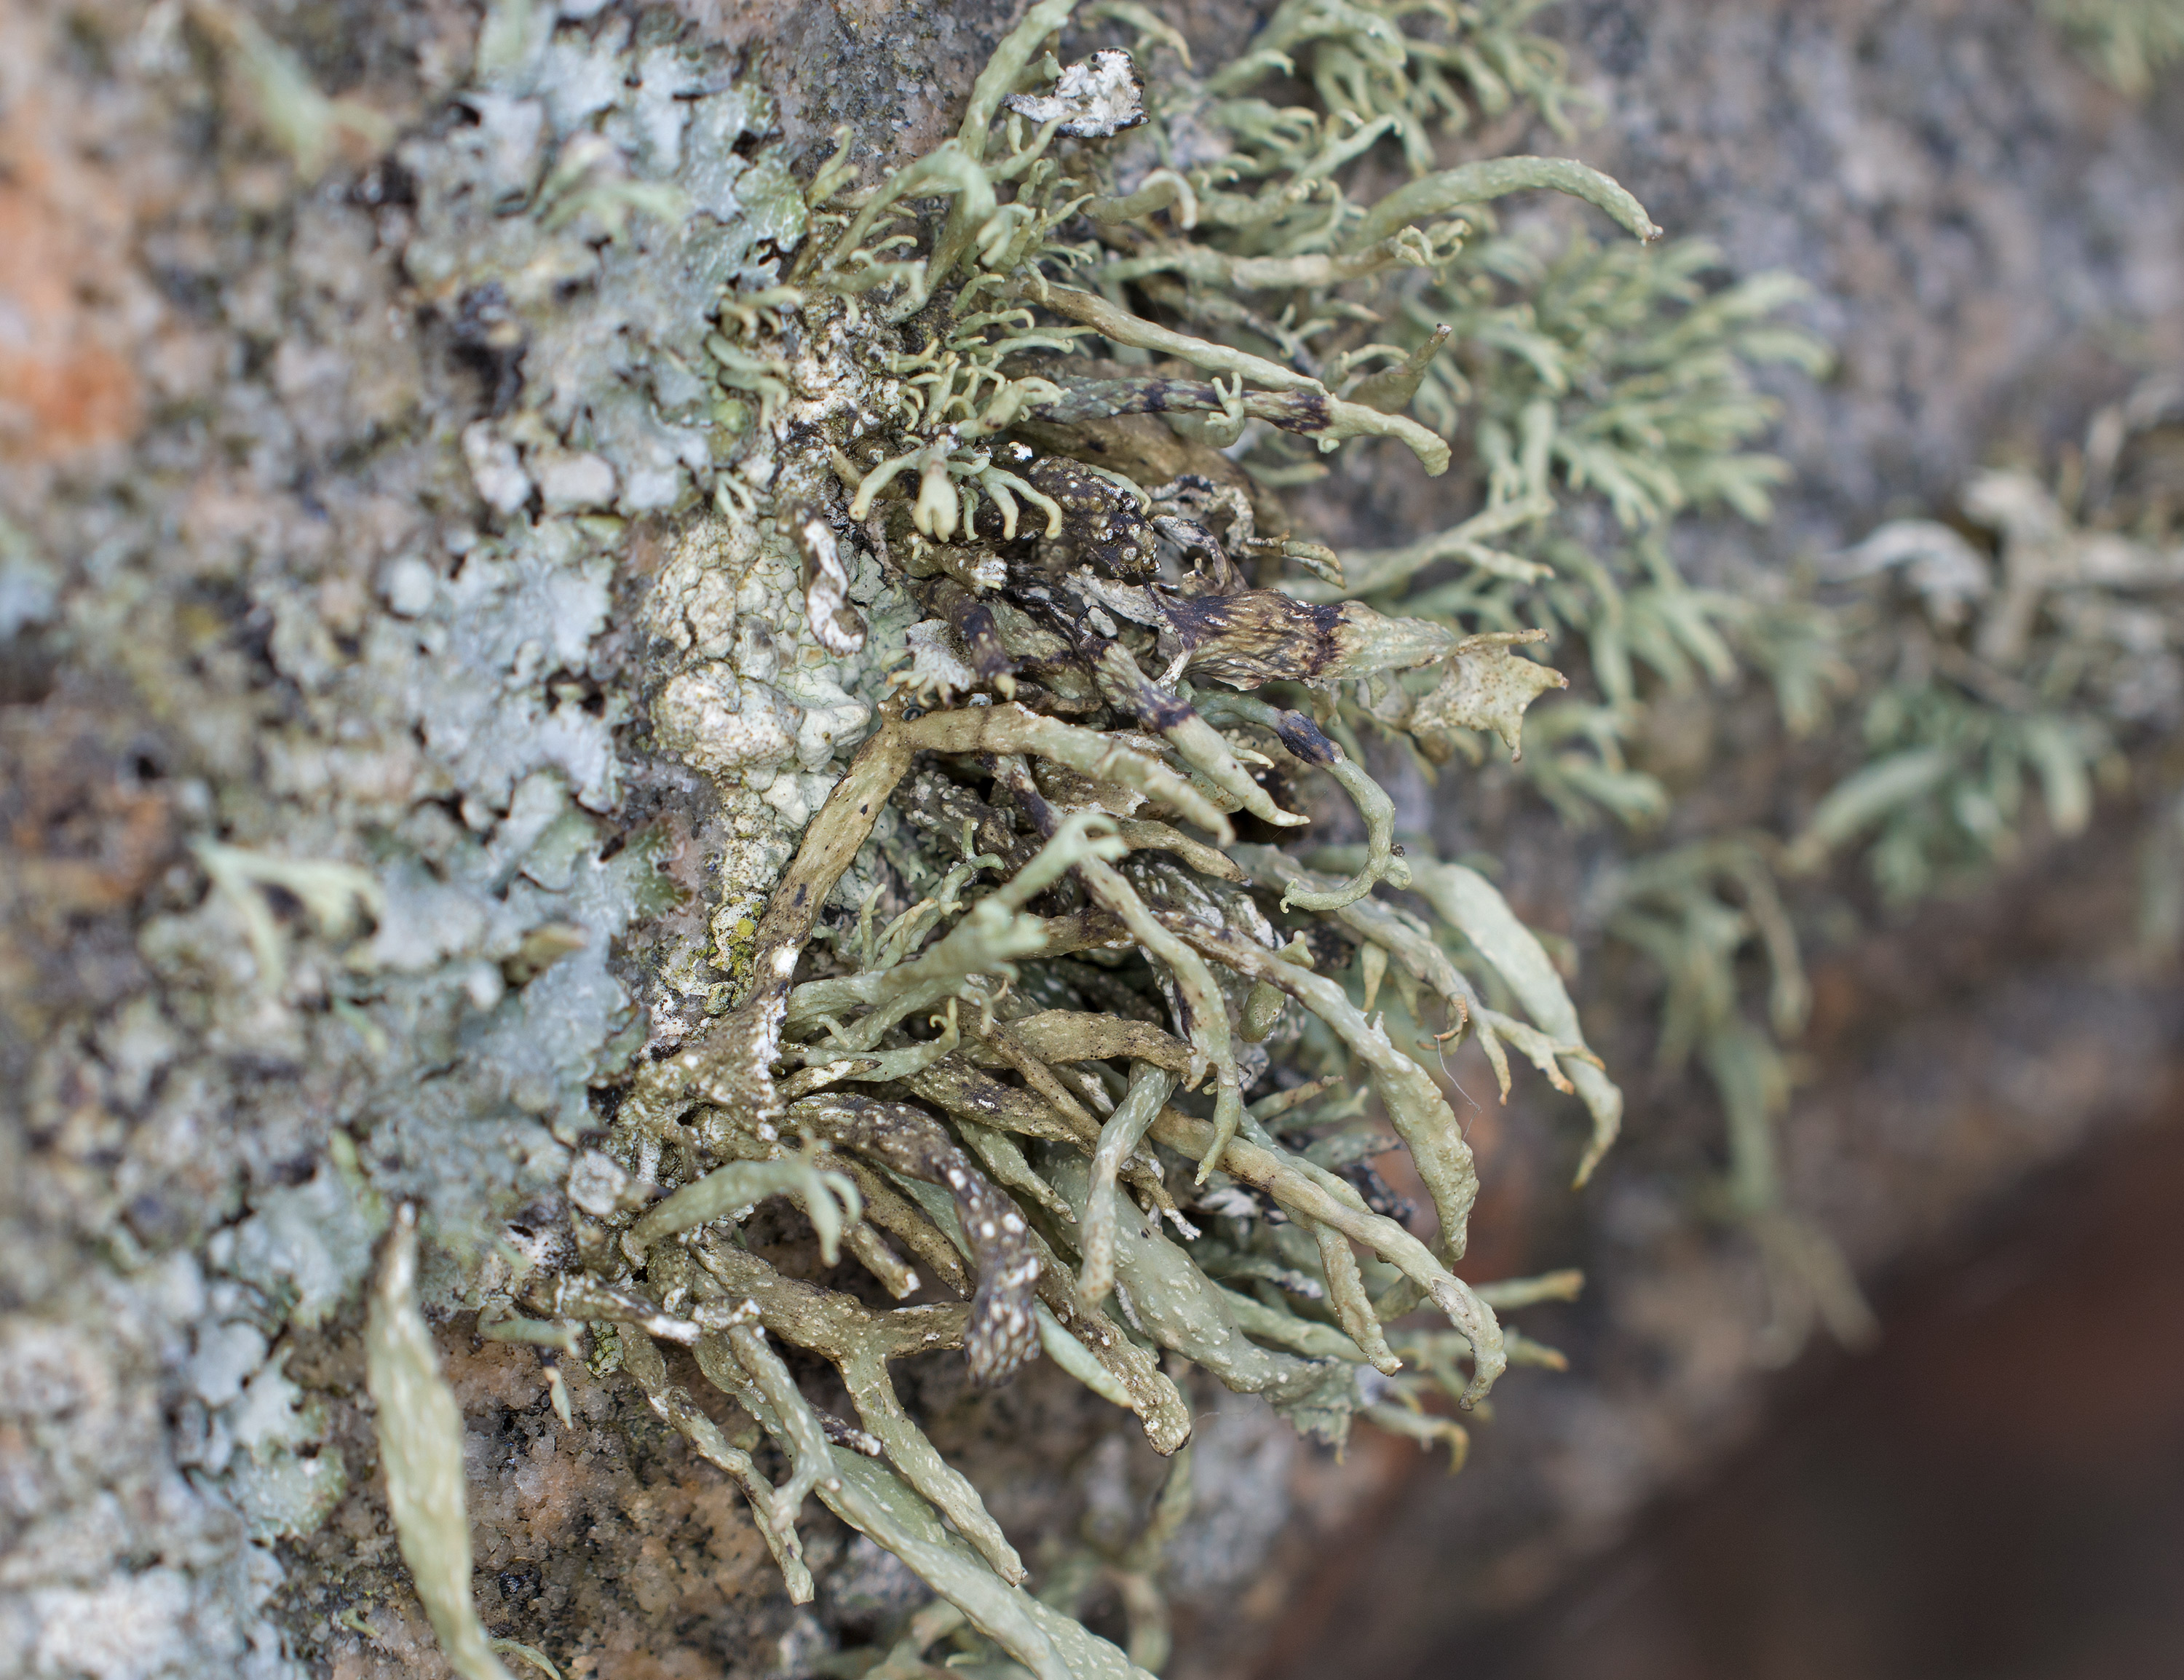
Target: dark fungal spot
<point>1305,741</point>
<point>521,1583</point>
<point>1101,525</point>
<point>1004,1330</point>
<point>1259,636</point>
<point>490,338</point>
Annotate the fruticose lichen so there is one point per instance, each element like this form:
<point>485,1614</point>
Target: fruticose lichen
<point>1062,630</point>
<point>960,595</point>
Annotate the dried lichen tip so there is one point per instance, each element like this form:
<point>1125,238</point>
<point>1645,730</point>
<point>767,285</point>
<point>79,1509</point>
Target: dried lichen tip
<point>421,1450</point>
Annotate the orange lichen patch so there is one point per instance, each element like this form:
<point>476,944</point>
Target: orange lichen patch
<point>53,408</point>
<point>64,385</point>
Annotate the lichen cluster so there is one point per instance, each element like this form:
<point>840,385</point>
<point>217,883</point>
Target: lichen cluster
<point>1996,673</point>
<point>1025,1004</point>
<point>966,597</point>
<point>1085,548</point>
<point>2031,653</point>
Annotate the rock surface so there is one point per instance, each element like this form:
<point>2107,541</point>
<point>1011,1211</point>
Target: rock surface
<point>249,438</point>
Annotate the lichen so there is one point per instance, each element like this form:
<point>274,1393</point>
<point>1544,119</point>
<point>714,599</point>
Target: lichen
<point>809,742</point>
<point>420,1450</point>
<point>904,500</point>
<point>2130,42</point>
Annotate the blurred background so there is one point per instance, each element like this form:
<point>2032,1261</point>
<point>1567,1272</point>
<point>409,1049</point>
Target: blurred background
<point>1946,1506</point>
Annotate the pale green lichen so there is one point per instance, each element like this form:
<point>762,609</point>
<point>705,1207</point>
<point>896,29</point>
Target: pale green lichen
<point>307,1248</point>
<point>421,1453</point>
<point>2132,42</point>
<point>916,439</point>
<point>1019,922</point>
<point>849,383</point>
<point>2026,664</point>
<point>965,994</point>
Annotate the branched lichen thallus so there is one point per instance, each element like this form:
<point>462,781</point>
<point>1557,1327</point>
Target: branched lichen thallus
<point>1032,1087</point>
